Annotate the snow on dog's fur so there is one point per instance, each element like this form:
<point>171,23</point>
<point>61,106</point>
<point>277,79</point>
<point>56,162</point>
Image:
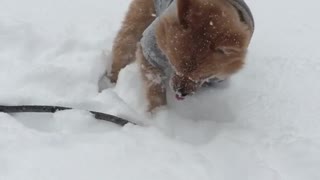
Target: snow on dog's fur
<point>201,39</point>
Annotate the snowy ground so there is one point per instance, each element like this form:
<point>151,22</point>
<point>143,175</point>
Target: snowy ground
<point>264,125</point>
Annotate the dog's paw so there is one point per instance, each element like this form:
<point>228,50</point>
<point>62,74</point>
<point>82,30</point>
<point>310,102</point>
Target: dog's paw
<point>113,77</point>
<point>154,110</point>
<point>156,102</point>
<point>104,83</point>
<point>213,82</point>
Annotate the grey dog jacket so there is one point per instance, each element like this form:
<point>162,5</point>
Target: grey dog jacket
<point>148,41</point>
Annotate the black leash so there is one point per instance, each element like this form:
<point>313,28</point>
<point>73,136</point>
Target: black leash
<point>52,109</point>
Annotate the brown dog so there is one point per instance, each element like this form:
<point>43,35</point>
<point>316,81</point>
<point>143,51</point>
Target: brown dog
<point>198,40</point>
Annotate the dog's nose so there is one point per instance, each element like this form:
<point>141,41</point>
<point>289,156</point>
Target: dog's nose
<point>182,92</point>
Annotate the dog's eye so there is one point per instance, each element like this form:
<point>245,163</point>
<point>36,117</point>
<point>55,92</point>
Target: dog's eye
<point>220,50</point>
<point>225,50</point>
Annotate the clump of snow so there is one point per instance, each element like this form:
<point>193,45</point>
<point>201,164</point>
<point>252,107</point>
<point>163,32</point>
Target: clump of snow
<point>264,124</point>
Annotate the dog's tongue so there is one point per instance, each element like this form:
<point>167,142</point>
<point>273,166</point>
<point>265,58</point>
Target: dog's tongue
<point>180,98</point>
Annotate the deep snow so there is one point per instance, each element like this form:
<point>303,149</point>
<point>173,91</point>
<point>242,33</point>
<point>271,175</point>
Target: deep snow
<point>262,125</point>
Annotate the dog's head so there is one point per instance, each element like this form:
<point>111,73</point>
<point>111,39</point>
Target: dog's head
<point>202,39</point>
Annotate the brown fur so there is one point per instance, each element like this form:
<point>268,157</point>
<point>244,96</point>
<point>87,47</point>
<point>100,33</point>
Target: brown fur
<point>204,38</point>
<point>152,76</point>
<point>138,18</point>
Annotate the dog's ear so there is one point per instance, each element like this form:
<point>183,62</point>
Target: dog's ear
<point>183,7</point>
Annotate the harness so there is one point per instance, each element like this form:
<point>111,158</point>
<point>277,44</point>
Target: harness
<point>150,48</point>
<point>244,12</point>
<point>161,6</point>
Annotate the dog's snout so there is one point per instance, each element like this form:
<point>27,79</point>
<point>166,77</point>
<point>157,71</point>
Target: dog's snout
<point>182,92</point>
<point>183,86</point>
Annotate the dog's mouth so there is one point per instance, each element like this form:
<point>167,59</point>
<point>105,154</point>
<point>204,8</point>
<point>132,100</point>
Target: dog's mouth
<point>179,97</point>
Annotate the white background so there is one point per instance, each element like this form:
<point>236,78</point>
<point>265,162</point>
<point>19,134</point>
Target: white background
<point>263,125</point>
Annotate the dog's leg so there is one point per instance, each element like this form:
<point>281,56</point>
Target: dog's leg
<point>154,82</point>
<point>139,16</point>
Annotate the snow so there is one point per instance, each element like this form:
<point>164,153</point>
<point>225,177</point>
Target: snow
<point>262,124</point>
